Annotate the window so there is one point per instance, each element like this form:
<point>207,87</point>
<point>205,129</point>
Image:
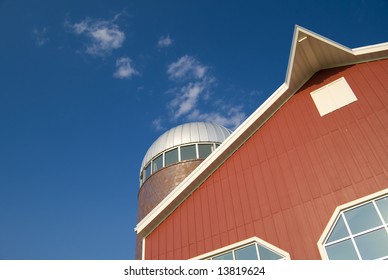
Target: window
<point>204,150</point>
<point>171,157</point>
<point>333,96</point>
<point>188,152</point>
<point>359,232</point>
<point>157,163</point>
<point>250,249</point>
<point>147,172</point>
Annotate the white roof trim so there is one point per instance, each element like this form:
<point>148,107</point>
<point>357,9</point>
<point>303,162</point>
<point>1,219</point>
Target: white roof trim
<point>253,122</point>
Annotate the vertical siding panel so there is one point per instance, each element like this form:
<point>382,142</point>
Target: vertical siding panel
<point>284,130</point>
<point>239,218</point>
<point>381,83</point>
<point>270,188</point>
<point>280,184</point>
<point>317,167</point>
<point>148,248</point>
<point>292,227</point>
<point>212,208</point>
<point>198,214</point>
<point>268,141</point>
<point>371,86</point>
<point>251,152</point>
<point>291,123</point>
<point>276,136</point>
<point>368,151</point>
<point>291,184</point>
<point>170,237</point>
<point>253,199</point>
<point>191,217</point>
<point>297,168</point>
<point>205,213</point>
<point>260,148</point>
<point>177,232</point>
<point>375,132</point>
<point>341,176</point>
<point>184,225</point>
<point>227,198</point>
<point>155,247</point>
<point>270,229</point>
<point>263,200</point>
<point>281,238</point>
<point>312,182</point>
<point>356,143</point>
<point>162,242</point>
<point>219,202</point>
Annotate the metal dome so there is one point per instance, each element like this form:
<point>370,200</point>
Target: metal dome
<point>194,132</point>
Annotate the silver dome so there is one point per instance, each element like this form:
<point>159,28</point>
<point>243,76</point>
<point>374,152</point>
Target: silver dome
<point>194,132</point>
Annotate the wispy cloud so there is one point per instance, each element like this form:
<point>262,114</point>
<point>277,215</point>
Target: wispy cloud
<point>40,36</point>
<point>186,68</point>
<point>124,68</point>
<point>165,41</point>
<point>194,98</point>
<point>103,36</point>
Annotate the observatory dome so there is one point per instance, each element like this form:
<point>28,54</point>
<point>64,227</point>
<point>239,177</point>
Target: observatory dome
<point>164,150</point>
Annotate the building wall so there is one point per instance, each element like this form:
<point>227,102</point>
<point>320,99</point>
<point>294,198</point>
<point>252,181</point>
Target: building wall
<point>158,186</point>
<point>283,184</point>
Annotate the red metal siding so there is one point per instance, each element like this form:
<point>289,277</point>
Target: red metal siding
<point>284,183</point>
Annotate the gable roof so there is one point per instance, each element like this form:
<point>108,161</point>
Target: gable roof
<point>310,53</point>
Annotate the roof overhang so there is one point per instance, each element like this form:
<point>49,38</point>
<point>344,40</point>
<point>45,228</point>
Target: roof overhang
<point>310,53</point>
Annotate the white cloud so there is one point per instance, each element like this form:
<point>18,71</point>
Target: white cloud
<point>187,99</point>
<point>40,36</point>
<point>158,124</point>
<point>104,36</point>
<point>194,99</point>
<point>187,67</point>
<point>165,41</point>
<point>125,69</point>
<point>232,117</point>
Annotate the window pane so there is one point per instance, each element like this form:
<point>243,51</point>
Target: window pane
<point>382,204</point>
<point>226,256</point>
<point>339,231</point>
<point>171,157</point>
<point>343,250</point>
<point>266,254</point>
<point>188,152</point>
<point>373,245</point>
<point>157,163</point>
<point>147,172</point>
<point>362,218</point>
<point>204,150</point>
<point>246,253</point>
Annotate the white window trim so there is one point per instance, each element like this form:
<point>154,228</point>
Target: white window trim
<point>330,225</point>
<point>241,244</point>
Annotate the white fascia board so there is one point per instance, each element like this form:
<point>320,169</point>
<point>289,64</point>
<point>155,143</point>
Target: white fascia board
<point>211,159</point>
<point>295,41</point>
<point>370,49</point>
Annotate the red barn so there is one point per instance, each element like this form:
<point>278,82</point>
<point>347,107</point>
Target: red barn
<point>304,177</point>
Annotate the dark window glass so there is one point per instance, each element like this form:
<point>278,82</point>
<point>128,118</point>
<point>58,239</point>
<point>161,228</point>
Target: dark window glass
<point>204,150</point>
<point>157,163</point>
<point>343,250</point>
<point>188,152</point>
<point>362,218</point>
<point>171,157</point>
<point>147,172</point>
<point>246,253</point>
<point>266,254</point>
<point>339,231</point>
<point>382,204</point>
<point>226,256</point>
<point>373,245</point>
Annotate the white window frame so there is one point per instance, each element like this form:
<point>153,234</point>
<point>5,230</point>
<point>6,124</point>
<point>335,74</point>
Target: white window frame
<point>339,211</point>
<point>241,244</point>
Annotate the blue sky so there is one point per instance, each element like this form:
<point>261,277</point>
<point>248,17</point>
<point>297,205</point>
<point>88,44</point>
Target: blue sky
<point>87,86</point>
